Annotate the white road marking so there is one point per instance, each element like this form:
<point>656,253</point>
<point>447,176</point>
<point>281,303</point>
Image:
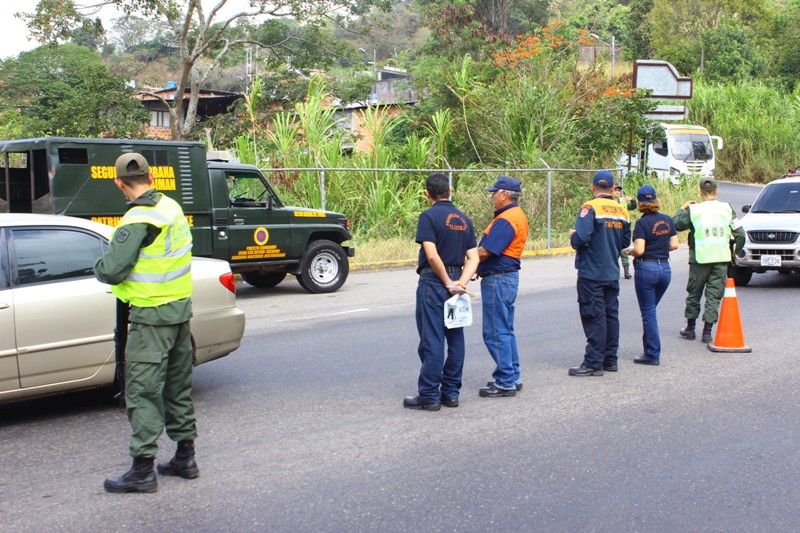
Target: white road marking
<point>326,315</point>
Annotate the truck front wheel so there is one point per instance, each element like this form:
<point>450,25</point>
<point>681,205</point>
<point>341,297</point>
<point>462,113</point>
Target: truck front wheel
<point>741,276</point>
<point>263,280</point>
<point>324,267</point>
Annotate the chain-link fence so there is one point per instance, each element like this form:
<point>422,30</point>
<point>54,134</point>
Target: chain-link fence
<point>551,197</point>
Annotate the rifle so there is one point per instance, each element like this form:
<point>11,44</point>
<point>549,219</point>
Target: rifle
<point>120,340</point>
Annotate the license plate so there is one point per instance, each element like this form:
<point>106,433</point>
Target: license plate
<point>770,260</point>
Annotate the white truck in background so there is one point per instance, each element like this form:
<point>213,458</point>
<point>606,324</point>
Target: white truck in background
<point>686,150</point>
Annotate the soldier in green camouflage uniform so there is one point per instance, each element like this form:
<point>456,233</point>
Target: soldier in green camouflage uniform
<point>631,204</point>
<point>148,264</point>
<point>711,226</point>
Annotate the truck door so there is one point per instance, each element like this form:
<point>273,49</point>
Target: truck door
<point>28,180</point>
<point>658,159</point>
<point>257,234</point>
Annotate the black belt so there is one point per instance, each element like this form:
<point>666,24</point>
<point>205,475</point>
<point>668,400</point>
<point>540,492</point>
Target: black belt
<point>652,259</point>
<point>487,273</point>
<point>448,269</point>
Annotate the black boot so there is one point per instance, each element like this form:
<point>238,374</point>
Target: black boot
<point>140,478</point>
<point>627,272</point>
<point>706,338</point>
<point>182,464</point>
<point>688,332</point>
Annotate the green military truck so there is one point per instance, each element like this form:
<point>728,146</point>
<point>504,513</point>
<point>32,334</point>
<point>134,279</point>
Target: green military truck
<point>234,212</point>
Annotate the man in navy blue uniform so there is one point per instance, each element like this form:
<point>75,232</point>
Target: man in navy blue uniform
<point>448,259</point>
<point>602,229</point>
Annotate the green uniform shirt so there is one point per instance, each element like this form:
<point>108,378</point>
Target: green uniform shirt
<point>122,254</point>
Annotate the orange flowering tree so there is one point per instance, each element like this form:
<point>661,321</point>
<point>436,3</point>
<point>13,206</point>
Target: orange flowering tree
<point>531,109</point>
<point>548,104</point>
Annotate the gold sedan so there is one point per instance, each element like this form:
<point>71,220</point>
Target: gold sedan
<point>57,321</point>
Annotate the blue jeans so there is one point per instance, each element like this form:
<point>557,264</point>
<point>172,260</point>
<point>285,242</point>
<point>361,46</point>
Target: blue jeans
<point>438,377</point>
<point>651,281</point>
<point>598,302</point>
<point>498,293</point>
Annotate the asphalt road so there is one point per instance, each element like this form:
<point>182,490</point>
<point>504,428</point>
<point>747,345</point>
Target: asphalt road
<point>302,429</point>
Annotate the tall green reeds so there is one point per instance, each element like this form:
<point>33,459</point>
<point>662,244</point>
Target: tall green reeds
<point>758,125</point>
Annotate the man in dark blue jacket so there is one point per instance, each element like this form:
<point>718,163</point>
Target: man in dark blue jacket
<point>602,229</point>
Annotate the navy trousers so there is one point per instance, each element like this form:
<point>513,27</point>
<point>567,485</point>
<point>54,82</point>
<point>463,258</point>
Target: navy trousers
<point>599,307</point>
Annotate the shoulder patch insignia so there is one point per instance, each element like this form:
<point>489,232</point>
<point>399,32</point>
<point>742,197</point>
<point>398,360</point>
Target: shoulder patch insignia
<point>122,235</point>
<point>584,212</point>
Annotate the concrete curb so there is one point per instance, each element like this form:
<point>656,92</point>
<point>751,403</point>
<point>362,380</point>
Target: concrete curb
<point>406,263</point>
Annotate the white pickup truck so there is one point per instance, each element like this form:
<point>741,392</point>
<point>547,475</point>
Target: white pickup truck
<point>772,228</point>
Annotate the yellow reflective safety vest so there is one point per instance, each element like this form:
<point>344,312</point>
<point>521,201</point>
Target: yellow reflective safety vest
<point>162,273</point>
<point>712,231</point>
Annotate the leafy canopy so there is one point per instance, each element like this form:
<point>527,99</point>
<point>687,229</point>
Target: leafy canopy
<point>67,90</point>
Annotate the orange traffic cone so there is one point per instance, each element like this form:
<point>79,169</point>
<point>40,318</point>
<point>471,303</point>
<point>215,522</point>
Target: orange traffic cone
<point>730,337</point>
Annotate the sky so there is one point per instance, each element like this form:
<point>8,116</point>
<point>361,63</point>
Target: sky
<point>15,32</point>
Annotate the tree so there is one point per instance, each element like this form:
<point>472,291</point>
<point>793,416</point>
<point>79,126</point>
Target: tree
<point>731,53</point>
<point>67,90</point>
<point>639,44</point>
<point>678,27</point>
<point>202,35</point>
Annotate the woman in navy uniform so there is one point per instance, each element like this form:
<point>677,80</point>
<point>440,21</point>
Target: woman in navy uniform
<point>653,238</point>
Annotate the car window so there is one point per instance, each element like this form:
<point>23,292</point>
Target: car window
<point>52,254</point>
<point>777,198</point>
<point>247,188</point>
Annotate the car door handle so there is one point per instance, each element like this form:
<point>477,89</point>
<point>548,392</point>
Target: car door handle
<point>238,221</point>
<point>4,305</point>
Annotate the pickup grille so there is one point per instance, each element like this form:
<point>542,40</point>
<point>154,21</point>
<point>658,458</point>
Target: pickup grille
<point>786,255</point>
<point>772,237</point>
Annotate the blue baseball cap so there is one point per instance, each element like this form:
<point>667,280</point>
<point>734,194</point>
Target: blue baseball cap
<point>604,179</point>
<point>646,194</point>
<point>505,183</point>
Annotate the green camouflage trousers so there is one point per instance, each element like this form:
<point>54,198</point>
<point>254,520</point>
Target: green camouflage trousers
<point>158,388</point>
<point>710,277</point>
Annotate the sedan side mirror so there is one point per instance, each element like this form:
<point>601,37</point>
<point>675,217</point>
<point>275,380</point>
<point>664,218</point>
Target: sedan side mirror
<point>746,208</point>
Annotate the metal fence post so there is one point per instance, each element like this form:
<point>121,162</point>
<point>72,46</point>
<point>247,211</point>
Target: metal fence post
<point>321,183</point>
<point>549,201</point>
<point>449,176</point>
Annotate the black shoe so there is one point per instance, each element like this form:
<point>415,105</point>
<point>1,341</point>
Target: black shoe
<point>140,478</point>
<point>706,338</point>
<point>182,464</point>
<point>493,392</point>
<point>584,370</point>
<point>644,360</point>
<point>449,402</point>
<point>517,386</point>
<point>688,334</point>
<point>610,368</point>
<point>413,402</point>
